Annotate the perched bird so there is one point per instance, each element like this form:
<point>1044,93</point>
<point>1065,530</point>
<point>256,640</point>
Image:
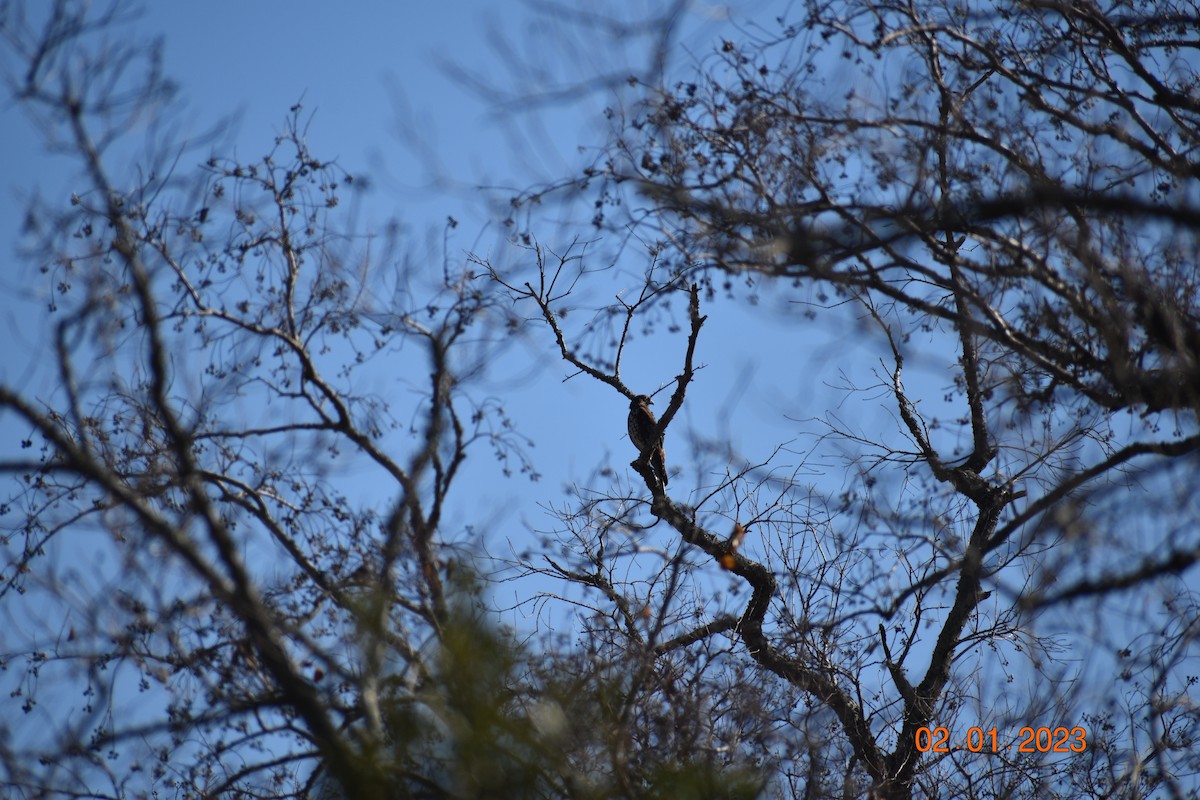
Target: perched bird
<point>642,432</point>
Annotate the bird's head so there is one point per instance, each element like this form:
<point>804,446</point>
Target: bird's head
<point>641,400</point>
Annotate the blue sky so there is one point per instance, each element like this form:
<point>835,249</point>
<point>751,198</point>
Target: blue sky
<point>364,72</point>
<point>761,384</point>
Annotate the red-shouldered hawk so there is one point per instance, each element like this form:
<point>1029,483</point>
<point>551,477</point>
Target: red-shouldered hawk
<point>642,426</point>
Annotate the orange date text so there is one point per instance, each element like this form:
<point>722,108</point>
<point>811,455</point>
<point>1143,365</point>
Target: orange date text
<point>1028,740</point>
